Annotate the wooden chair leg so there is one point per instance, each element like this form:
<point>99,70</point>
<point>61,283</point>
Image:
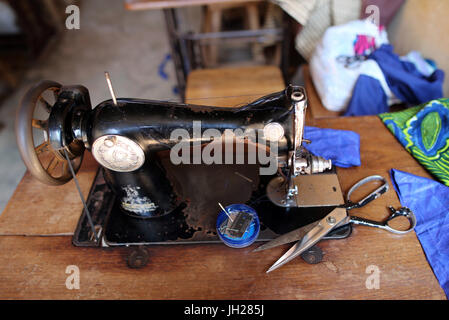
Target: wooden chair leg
<point>252,10</point>
<point>215,27</point>
<point>212,23</point>
<point>205,28</point>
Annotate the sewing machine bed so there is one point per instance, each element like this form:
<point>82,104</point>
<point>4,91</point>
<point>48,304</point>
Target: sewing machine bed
<point>193,222</point>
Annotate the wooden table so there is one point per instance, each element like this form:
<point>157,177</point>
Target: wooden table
<point>33,267</point>
<point>166,4</point>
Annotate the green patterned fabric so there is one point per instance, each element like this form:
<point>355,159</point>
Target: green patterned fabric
<point>424,132</point>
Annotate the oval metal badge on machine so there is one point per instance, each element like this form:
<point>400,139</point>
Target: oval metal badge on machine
<point>118,153</point>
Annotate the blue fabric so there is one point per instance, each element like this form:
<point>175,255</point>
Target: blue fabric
<point>429,200</point>
<point>340,146</point>
<point>404,79</point>
<point>367,98</point>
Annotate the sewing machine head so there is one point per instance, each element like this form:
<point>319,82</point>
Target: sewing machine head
<point>128,137</point>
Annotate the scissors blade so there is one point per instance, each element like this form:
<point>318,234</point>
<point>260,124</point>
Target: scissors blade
<point>334,219</point>
<point>291,236</point>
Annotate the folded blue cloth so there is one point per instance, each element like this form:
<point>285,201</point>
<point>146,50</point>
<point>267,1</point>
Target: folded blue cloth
<point>340,146</point>
<point>429,200</point>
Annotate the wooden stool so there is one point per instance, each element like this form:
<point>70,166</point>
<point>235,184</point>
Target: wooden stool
<point>213,23</point>
<point>230,87</point>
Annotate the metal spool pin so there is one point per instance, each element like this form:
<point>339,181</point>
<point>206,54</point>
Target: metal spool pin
<point>111,90</point>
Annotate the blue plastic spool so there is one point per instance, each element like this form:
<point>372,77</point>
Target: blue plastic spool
<point>251,233</point>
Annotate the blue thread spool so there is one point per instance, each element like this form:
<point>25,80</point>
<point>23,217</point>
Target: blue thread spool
<point>251,233</point>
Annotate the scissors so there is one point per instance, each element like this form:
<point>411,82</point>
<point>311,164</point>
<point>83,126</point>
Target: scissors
<point>310,234</point>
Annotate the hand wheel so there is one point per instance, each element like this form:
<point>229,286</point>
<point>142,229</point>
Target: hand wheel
<point>48,165</point>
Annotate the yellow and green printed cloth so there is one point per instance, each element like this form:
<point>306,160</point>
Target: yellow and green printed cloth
<point>424,132</point>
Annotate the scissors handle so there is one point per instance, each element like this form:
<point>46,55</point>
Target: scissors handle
<point>401,212</point>
<point>372,196</point>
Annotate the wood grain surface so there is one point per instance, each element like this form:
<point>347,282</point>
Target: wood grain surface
<point>232,87</point>
<point>167,4</point>
<point>39,209</point>
<point>34,267</point>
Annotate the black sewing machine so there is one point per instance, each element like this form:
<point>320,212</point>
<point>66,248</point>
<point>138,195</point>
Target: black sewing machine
<point>152,188</point>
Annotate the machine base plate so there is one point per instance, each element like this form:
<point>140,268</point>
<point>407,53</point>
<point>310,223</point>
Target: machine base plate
<point>194,220</point>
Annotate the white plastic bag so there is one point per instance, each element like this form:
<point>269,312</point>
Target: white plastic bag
<point>334,81</point>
